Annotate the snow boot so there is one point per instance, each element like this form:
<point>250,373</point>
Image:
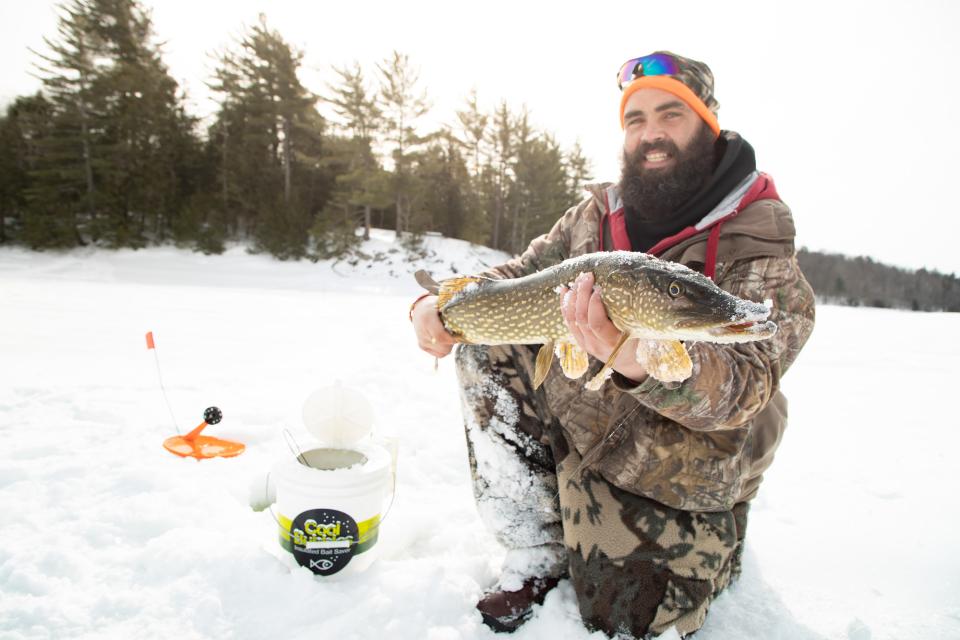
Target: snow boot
<point>504,611</point>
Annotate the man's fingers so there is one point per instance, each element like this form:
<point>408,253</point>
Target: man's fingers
<point>438,353</point>
<point>584,286</point>
<point>598,321</point>
<point>568,306</point>
<point>435,347</point>
<point>432,337</point>
<point>436,350</point>
<point>440,337</point>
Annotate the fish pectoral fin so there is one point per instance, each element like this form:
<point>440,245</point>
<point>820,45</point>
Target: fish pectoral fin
<point>665,360</point>
<point>451,287</point>
<point>426,281</point>
<point>542,367</point>
<point>573,359</point>
<point>597,381</point>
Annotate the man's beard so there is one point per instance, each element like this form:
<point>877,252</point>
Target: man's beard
<point>654,195</point>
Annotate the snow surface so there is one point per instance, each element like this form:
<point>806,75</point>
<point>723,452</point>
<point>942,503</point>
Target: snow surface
<point>106,535</point>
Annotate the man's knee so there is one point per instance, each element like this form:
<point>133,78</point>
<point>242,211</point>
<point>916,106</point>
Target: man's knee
<point>640,566</point>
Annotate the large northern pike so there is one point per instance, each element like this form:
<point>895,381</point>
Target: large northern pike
<point>659,302</point>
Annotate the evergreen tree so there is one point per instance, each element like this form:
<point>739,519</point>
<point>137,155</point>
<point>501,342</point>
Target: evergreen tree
<point>541,188</point>
<point>445,201</point>
<point>497,182</point>
<point>112,166</point>
<point>23,129</point>
<point>519,190</point>
<point>578,172</point>
<point>473,125</point>
<point>472,138</point>
<point>64,197</point>
<point>403,104</point>
<point>363,183</point>
<point>271,143</point>
<point>12,176</point>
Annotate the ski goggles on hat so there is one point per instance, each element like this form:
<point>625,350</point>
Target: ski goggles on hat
<point>655,64</point>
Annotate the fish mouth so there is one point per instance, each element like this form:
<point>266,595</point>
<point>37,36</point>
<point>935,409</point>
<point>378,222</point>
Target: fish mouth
<point>755,329</point>
<point>747,322</point>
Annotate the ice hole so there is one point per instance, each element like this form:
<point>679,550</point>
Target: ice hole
<point>331,459</point>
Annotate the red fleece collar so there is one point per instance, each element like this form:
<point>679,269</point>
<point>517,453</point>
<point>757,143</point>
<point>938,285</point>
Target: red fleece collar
<point>762,188</point>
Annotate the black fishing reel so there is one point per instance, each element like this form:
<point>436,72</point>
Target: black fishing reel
<point>212,415</point>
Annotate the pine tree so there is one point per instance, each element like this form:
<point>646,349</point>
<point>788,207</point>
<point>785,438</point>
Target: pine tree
<point>473,125</point>
<point>120,134</point>
<point>363,183</point>
<point>541,188</point>
<point>445,201</point>
<point>403,104</point>
<point>498,179</point>
<point>271,142</point>
<point>519,191</point>
<point>148,135</point>
<point>23,129</point>
<point>578,172</point>
<point>64,196</point>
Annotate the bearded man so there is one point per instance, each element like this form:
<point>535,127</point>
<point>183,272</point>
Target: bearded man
<point>638,492</point>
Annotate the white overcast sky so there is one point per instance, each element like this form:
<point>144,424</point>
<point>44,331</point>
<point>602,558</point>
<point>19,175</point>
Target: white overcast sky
<point>851,106</point>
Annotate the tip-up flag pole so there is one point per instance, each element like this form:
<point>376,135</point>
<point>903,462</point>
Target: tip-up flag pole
<point>193,444</point>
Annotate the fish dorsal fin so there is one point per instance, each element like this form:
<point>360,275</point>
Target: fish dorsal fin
<point>573,359</point>
<point>451,287</point>
<point>426,281</point>
<point>665,360</point>
<point>542,367</point>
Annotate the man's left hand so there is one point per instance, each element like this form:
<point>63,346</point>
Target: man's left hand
<point>587,321</point>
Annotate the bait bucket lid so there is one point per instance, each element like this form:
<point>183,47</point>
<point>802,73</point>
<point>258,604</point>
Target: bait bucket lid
<point>338,416</point>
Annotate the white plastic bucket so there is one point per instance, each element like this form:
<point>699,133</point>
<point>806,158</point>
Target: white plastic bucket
<point>330,511</point>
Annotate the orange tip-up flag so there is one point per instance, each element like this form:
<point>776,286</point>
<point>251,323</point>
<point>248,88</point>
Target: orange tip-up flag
<point>150,344</point>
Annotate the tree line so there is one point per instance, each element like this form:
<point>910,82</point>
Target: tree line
<point>862,281</point>
<point>107,155</point>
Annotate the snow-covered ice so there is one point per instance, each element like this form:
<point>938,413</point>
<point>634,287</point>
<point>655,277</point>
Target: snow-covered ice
<point>104,534</point>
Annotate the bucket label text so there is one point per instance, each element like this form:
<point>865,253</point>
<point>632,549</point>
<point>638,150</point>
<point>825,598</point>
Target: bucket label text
<point>324,540</point>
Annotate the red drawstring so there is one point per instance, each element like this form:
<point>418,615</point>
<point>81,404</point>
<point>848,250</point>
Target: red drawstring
<point>713,242</point>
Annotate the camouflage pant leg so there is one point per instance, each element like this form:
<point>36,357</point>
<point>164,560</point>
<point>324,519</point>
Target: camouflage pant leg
<point>514,478</point>
<point>638,566</point>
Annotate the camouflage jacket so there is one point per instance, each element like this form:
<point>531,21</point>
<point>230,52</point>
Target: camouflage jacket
<point>700,445</point>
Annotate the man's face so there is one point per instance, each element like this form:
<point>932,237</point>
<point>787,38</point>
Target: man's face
<point>668,154</point>
<point>653,116</point>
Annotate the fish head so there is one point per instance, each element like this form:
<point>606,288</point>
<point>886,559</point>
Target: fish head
<point>663,300</point>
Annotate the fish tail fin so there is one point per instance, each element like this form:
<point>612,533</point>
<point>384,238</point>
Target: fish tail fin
<point>451,287</point>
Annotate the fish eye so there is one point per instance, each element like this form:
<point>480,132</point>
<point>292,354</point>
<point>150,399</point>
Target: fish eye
<point>675,289</point>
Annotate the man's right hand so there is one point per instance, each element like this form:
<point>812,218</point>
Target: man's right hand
<point>432,337</point>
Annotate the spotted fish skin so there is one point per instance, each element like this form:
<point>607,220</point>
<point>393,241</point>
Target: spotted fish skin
<point>635,289</point>
<point>658,301</point>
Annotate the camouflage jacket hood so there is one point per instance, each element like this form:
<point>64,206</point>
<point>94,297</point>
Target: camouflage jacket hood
<point>704,444</point>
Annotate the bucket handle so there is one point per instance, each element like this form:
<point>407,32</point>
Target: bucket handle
<point>294,447</point>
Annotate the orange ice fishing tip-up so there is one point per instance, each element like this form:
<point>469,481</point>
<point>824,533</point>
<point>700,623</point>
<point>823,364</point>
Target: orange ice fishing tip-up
<point>197,446</point>
<point>193,444</point>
